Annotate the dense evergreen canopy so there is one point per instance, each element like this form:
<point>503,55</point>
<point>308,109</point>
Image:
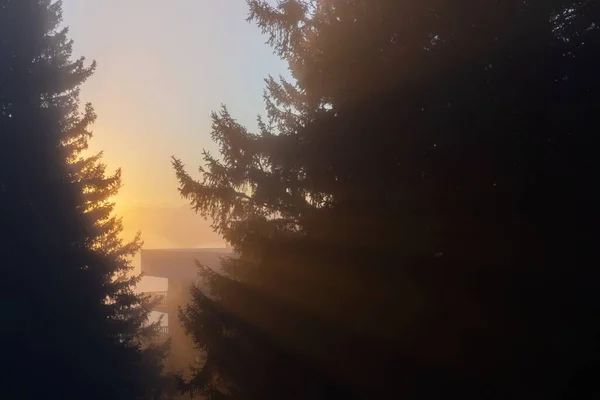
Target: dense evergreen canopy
<point>72,326</point>
<point>414,215</point>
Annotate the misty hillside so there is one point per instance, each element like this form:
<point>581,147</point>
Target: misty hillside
<point>169,227</point>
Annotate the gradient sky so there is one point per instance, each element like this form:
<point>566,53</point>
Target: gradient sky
<point>163,66</point>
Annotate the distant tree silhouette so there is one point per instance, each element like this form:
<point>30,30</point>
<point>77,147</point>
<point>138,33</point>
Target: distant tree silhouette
<point>72,326</point>
<point>414,219</point>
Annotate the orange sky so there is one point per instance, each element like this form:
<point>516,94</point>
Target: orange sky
<point>162,68</point>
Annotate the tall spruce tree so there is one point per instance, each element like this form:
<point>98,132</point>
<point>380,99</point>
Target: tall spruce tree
<point>414,217</point>
<point>129,311</point>
<point>72,325</point>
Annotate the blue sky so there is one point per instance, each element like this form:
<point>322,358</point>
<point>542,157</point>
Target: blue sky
<point>163,66</point>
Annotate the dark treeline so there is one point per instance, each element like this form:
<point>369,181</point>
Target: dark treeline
<point>414,216</point>
<point>72,326</point>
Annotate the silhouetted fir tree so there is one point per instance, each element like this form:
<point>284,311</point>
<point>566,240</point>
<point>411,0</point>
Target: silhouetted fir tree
<point>72,326</point>
<point>129,310</point>
<point>414,219</point>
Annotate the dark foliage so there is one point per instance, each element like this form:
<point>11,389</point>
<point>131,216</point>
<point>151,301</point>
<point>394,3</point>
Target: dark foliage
<point>72,325</point>
<point>415,218</point>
